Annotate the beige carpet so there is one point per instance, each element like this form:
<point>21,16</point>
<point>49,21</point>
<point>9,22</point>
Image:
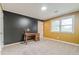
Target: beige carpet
<point>43,47</point>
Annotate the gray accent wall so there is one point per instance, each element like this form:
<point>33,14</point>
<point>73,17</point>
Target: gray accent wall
<point>14,26</point>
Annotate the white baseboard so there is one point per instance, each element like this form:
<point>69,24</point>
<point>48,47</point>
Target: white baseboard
<point>12,44</point>
<point>49,39</point>
<point>62,41</point>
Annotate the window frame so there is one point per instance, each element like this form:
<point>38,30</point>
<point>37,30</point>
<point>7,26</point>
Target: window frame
<point>60,20</point>
<point>52,26</point>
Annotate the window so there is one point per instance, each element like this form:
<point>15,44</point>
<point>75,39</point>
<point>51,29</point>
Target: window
<point>66,25</point>
<point>62,25</point>
<point>55,26</point>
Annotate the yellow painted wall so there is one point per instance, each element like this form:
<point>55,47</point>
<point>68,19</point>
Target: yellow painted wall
<point>69,37</point>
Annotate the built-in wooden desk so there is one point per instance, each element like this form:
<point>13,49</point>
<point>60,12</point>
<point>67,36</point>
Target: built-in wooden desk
<point>34,36</point>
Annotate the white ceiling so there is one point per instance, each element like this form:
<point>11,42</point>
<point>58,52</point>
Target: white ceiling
<point>34,9</point>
